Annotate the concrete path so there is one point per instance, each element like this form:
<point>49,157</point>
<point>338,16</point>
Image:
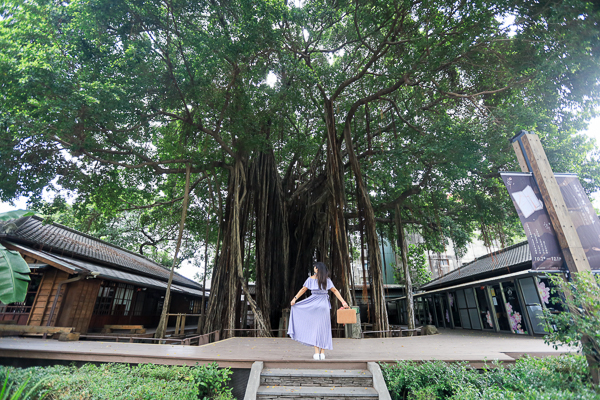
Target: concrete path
<point>449,345</point>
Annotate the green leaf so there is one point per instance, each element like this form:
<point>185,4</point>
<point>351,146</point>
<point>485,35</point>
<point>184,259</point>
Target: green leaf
<point>14,277</point>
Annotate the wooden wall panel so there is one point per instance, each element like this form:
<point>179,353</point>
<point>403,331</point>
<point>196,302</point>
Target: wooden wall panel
<point>79,303</point>
<point>42,304</point>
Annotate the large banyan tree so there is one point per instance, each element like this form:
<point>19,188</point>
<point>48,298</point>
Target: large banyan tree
<point>304,124</point>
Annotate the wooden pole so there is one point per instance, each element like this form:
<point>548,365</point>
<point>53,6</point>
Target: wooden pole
<point>532,158</point>
<point>162,324</point>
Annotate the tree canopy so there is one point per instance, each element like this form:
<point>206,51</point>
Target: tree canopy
<point>382,113</point>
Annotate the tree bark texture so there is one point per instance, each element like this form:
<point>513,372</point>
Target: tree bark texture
<point>297,220</point>
<point>339,259</point>
<point>272,238</point>
<point>229,275</point>
<point>365,209</point>
<point>403,246</point>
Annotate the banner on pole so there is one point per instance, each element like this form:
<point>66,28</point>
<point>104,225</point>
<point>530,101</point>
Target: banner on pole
<point>543,245</point>
<point>583,215</point>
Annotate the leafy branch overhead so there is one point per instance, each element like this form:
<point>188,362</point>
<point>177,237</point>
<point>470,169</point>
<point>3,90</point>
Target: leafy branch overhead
<point>373,108</point>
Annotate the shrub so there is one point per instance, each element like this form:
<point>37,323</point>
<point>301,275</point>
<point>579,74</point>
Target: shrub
<point>562,377</point>
<point>579,325</point>
<point>122,382</point>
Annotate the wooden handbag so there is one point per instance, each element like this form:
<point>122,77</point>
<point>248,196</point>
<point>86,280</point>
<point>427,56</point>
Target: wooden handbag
<point>346,316</point>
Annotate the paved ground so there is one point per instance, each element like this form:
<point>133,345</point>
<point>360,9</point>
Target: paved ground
<point>449,345</point>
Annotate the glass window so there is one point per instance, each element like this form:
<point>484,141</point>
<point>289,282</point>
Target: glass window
<point>460,297</point>
<point>513,308</point>
<point>549,295</point>
<point>439,310</point>
<point>195,306</point>
<point>122,302</point>
<point>470,298</point>
<point>484,309</point>
<point>463,310</point>
<point>475,322</point>
<point>430,311</point>
<point>453,304</point>
<point>445,310</point>
<point>533,304</point>
<point>467,306</point>
<point>498,307</point>
<point>105,298</point>
<point>464,317</point>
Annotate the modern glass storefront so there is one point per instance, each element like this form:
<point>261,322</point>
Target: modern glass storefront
<point>513,303</point>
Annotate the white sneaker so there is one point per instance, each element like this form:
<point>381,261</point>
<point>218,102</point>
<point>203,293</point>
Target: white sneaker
<point>322,356</point>
<point>316,356</point>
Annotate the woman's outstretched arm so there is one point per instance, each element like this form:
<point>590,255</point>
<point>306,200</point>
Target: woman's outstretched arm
<point>297,296</point>
<point>339,296</point>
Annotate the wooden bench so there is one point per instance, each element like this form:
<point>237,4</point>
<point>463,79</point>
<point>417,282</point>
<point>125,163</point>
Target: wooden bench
<point>130,328</point>
<point>62,333</point>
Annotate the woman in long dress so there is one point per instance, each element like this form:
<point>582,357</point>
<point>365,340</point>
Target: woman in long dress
<point>310,323</point>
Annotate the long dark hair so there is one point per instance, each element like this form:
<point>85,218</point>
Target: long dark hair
<point>322,274</point>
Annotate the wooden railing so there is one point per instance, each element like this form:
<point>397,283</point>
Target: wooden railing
<point>398,332</point>
<point>180,322</point>
<point>18,313</point>
<point>16,309</point>
<point>280,332</point>
<point>198,340</point>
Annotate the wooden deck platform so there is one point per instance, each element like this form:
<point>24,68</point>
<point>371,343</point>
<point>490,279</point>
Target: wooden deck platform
<point>450,345</point>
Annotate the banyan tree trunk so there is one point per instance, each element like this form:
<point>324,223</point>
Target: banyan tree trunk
<point>307,220</point>
<point>365,210</point>
<point>228,276</point>
<point>403,246</point>
<point>339,259</point>
<point>272,238</point>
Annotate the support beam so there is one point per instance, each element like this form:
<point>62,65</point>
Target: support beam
<point>520,156</point>
<point>21,329</point>
<point>531,155</point>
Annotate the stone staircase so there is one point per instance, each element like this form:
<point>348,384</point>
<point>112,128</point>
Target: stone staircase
<point>315,384</point>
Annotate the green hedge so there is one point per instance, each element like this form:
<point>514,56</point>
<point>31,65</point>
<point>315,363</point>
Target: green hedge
<point>563,377</point>
<point>121,382</point>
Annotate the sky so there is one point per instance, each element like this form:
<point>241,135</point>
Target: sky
<point>188,270</point>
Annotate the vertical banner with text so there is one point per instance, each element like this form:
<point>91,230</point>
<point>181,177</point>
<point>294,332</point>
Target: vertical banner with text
<point>583,215</point>
<point>543,245</point>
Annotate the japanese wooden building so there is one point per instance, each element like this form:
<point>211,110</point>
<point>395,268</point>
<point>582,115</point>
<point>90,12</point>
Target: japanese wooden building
<point>497,292</point>
<point>98,283</point>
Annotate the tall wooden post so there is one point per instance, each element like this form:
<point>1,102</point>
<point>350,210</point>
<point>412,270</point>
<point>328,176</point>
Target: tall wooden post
<point>532,158</point>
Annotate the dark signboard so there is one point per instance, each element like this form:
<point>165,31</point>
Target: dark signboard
<point>545,250</point>
<point>583,215</point>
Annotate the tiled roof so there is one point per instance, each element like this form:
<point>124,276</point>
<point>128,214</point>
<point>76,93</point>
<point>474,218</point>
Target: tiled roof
<point>499,261</point>
<point>127,277</point>
<point>64,241</point>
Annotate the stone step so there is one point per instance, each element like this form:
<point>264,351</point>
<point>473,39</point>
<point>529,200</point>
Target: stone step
<point>316,393</point>
<point>316,377</point>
